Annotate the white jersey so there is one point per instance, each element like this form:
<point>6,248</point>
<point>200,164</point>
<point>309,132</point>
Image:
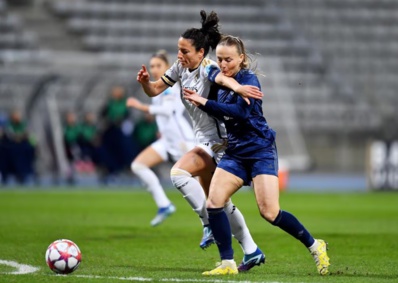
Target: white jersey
<point>206,128</point>
<point>176,132</point>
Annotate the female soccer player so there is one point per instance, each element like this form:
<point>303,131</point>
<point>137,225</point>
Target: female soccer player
<point>176,137</point>
<point>251,155</point>
<point>191,70</point>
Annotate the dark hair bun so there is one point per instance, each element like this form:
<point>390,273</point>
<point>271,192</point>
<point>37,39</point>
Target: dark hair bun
<point>210,27</point>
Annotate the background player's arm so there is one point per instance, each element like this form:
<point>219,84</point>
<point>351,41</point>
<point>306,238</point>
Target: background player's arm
<point>166,109</point>
<point>150,88</point>
<point>135,103</point>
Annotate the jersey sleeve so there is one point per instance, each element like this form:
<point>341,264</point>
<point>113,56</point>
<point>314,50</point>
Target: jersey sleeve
<point>172,74</point>
<point>251,80</point>
<point>212,72</point>
<point>210,69</point>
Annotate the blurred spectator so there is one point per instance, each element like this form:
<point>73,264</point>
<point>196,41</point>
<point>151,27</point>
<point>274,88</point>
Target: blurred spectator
<point>18,150</point>
<point>3,121</point>
<point>117,146</point>
<point>71,141</point>
<point>145,131</point>
<point>89,143</point>
<point>115,110</point>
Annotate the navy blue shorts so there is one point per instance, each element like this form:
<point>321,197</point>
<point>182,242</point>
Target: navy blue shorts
<point>248,168</point>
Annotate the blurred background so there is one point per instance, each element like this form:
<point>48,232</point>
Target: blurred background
<point>330,79</point>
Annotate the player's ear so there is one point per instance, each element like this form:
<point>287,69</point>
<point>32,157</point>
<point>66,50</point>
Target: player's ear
<point>241,58</point>
<point>201,52</point>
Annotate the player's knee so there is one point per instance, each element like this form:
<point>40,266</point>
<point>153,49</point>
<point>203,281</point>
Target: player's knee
<point>136,167</point>
<point>269,214</point>
<point>179,177</point>
<point>210,204</point>
<point>214,203</point>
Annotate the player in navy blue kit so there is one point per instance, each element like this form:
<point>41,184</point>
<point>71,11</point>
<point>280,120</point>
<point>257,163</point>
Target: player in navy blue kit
<point>251,156</point>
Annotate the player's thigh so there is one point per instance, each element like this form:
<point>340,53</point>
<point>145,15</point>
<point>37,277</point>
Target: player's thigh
<point>266,189</point>
<point>223,185</point>
<point>205,180</point>
<point>152,155</point>
<point>206,174</point>
<point>196,161</point>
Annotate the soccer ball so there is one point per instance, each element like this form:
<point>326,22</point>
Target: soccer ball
<point>63,256</point>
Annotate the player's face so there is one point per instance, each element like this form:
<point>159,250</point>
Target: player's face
<point>228,59</point>
<point>157,67</point>
<point>187,54</point>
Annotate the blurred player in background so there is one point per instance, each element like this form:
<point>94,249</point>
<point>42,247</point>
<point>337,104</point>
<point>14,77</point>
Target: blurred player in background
<point>176,136</point>
<point>191,71</point>
<point>251,156</point>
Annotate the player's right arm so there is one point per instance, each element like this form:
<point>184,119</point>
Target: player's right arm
<point>150,88</point>
<point>245,91</point>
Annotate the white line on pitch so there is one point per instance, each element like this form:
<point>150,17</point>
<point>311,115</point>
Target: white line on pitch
<point>26,269</point>
<point>173,279</point>
<point>21,268</point>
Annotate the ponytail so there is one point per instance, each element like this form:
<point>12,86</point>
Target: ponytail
<point>208,35</point>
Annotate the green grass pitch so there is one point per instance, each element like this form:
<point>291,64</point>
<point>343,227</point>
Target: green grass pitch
<point>112,230</point>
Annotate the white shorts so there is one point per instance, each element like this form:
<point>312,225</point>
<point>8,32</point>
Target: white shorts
<point>214,147</point>
<point>170,152</point>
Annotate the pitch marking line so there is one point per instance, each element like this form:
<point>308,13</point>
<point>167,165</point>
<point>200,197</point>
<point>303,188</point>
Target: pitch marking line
<point>21,268</point>
<point>26,269</point>
<point>213,280</point>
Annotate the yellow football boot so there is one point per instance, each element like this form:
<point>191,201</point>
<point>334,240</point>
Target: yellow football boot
<point>226,267</point>
<point>321,257</point>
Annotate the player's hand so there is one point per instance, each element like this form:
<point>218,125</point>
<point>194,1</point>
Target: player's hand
<point>133,102</point>
<point>143,75</point>
<point>193,97</point>
<point>249,91</point>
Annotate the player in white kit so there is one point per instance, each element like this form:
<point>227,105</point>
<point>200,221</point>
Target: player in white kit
<point>176,137</point>
<point>191,71</point>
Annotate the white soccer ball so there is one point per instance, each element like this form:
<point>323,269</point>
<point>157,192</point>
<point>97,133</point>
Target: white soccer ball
<point>63,256</point>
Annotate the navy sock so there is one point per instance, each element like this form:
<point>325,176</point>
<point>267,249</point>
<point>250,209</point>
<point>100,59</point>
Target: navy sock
<point>290,224</point>
<point>219,224</point>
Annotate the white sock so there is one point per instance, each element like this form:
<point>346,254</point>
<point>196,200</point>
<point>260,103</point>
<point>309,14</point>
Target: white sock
<point>229,261</point>
<point>151,181</point>
<point>239,228</point>
<point>192,192</point>
<point>314,246</point>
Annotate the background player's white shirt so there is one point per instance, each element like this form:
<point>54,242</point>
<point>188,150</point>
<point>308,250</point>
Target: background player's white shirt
<point>205,127</point>
<point>175,130</point>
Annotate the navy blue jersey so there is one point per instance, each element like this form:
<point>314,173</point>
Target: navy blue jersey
<point>249,135</point>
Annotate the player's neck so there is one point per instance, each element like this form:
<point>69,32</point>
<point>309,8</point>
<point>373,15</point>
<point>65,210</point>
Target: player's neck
<point>196,66</point>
